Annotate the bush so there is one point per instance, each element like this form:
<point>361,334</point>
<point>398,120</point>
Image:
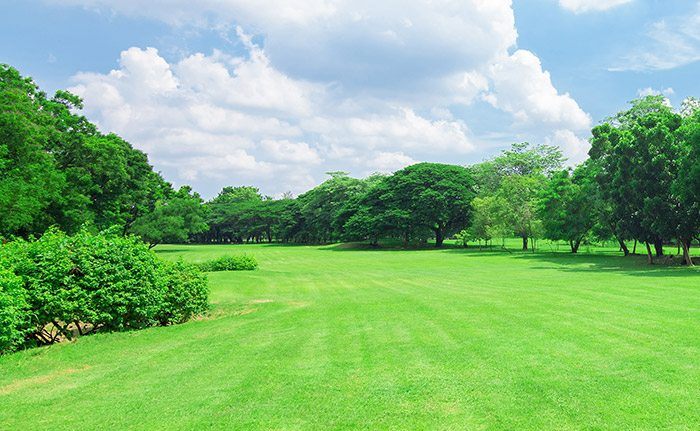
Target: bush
<point>242,262</point>
<point>186,293</point>
<point>15,324</point>
<point>75,285</point>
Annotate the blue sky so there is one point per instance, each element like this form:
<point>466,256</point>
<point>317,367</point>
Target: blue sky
<point>278,92</point>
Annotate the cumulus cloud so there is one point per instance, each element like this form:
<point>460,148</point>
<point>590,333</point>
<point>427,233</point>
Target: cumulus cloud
<point>332,84</point>
<point>207,117</point>
<point>574,148</point>
<point>522,88</point>
<point>386,162</point>
<point>582,6</point>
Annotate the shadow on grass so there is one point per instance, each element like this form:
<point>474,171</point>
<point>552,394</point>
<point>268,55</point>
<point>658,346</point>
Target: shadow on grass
<point>592,262</point>
<point>170,250</point>
<point>603,260</point>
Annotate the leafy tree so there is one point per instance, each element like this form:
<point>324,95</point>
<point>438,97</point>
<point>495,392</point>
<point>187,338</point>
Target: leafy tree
<point>566,206</point>
<point>174,219</point>
<point>686,187</point>
<point>640,157</point>
<point>30,182</point>
<point>519,194</point>
<point>435,196</point>
<point>488,218</point>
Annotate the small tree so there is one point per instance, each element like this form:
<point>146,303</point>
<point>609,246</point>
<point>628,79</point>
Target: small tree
<point>566,207</point>
<point>174,219</point>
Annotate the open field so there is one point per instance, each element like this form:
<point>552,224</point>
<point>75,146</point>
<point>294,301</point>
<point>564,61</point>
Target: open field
<point>340,338</point>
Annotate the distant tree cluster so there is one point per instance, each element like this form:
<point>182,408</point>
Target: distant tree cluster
<point>423,201</point>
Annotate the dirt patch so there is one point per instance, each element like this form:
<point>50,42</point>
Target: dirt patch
<point>39,380</point>
<point>299,303</point>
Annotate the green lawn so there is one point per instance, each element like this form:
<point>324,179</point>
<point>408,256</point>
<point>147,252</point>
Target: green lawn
<point>339,338</point>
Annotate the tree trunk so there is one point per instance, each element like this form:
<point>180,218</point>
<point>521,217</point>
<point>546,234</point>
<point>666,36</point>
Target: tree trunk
<point>686,252</point>
<point>659,247</point>
<point>525,238</point>
<point>623,247</point>
<point>575,245</point>
<point>650,257</point>
<point>634,249</point>
<point>438,237</point>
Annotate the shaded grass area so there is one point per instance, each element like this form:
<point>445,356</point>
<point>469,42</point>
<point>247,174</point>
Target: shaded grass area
<point>381,339</point>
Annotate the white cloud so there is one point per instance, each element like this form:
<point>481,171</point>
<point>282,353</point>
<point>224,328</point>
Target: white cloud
<point>291,152</point>
<point>582,6</point>
<point>201,119</point>
<point>671,43</point>
<point>385,162</point>
<point>522,88</point>
<point>355,85</point>
<point>575,149</point>
<point>648,91</point>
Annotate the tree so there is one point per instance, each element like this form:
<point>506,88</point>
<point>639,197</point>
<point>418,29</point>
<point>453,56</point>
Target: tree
<point>174,219</point>
<point>520,159</point>
<point>436,196</point>
<point>57,168</point>
<point>566,206</point>
<point>686,187</point>
<point>519,193</point>
<point>30,182</point>
<point>640,155</point>
<point>488,218</point>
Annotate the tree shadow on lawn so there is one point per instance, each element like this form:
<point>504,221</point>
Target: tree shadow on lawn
<point>170,250</point>
<point>582,262</point>
<point>590,262</point>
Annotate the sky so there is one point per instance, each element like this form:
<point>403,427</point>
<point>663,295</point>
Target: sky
<point>275,93</point>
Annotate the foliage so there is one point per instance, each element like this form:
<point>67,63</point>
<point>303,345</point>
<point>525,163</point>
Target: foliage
<point>641,153</point>
<point>186,293</point>
<point>175,219</point>
<point>57,169</point>
<point>98,282</point>
<point>243,262</point>
<point>567,206</point>
<point>15,322</point>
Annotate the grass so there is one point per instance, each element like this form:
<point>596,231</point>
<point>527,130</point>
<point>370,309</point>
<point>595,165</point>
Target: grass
<point>340,338</point>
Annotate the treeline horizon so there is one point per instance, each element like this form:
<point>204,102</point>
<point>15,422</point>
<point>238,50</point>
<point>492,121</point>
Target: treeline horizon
<point>640,183</point>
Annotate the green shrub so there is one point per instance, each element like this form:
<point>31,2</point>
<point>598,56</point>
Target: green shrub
<point>15,323</point>
<point>75,285</point>
<point>186,293</point>
<point>241,262</point>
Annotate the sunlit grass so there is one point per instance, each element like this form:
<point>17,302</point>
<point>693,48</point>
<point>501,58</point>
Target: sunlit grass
<point>337,337</point>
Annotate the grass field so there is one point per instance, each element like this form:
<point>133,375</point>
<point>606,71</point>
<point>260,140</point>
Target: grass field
<point>339,338</point>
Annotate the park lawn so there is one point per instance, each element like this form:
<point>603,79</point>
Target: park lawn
<point>341,338</point>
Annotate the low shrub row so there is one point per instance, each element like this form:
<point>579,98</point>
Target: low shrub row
<point>241,262</point>
<point>60,286</point>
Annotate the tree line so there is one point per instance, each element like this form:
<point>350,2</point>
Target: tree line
<point>641,184</point>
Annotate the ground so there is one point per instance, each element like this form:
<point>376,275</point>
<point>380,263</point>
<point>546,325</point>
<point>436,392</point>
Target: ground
<point>337,337</point>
